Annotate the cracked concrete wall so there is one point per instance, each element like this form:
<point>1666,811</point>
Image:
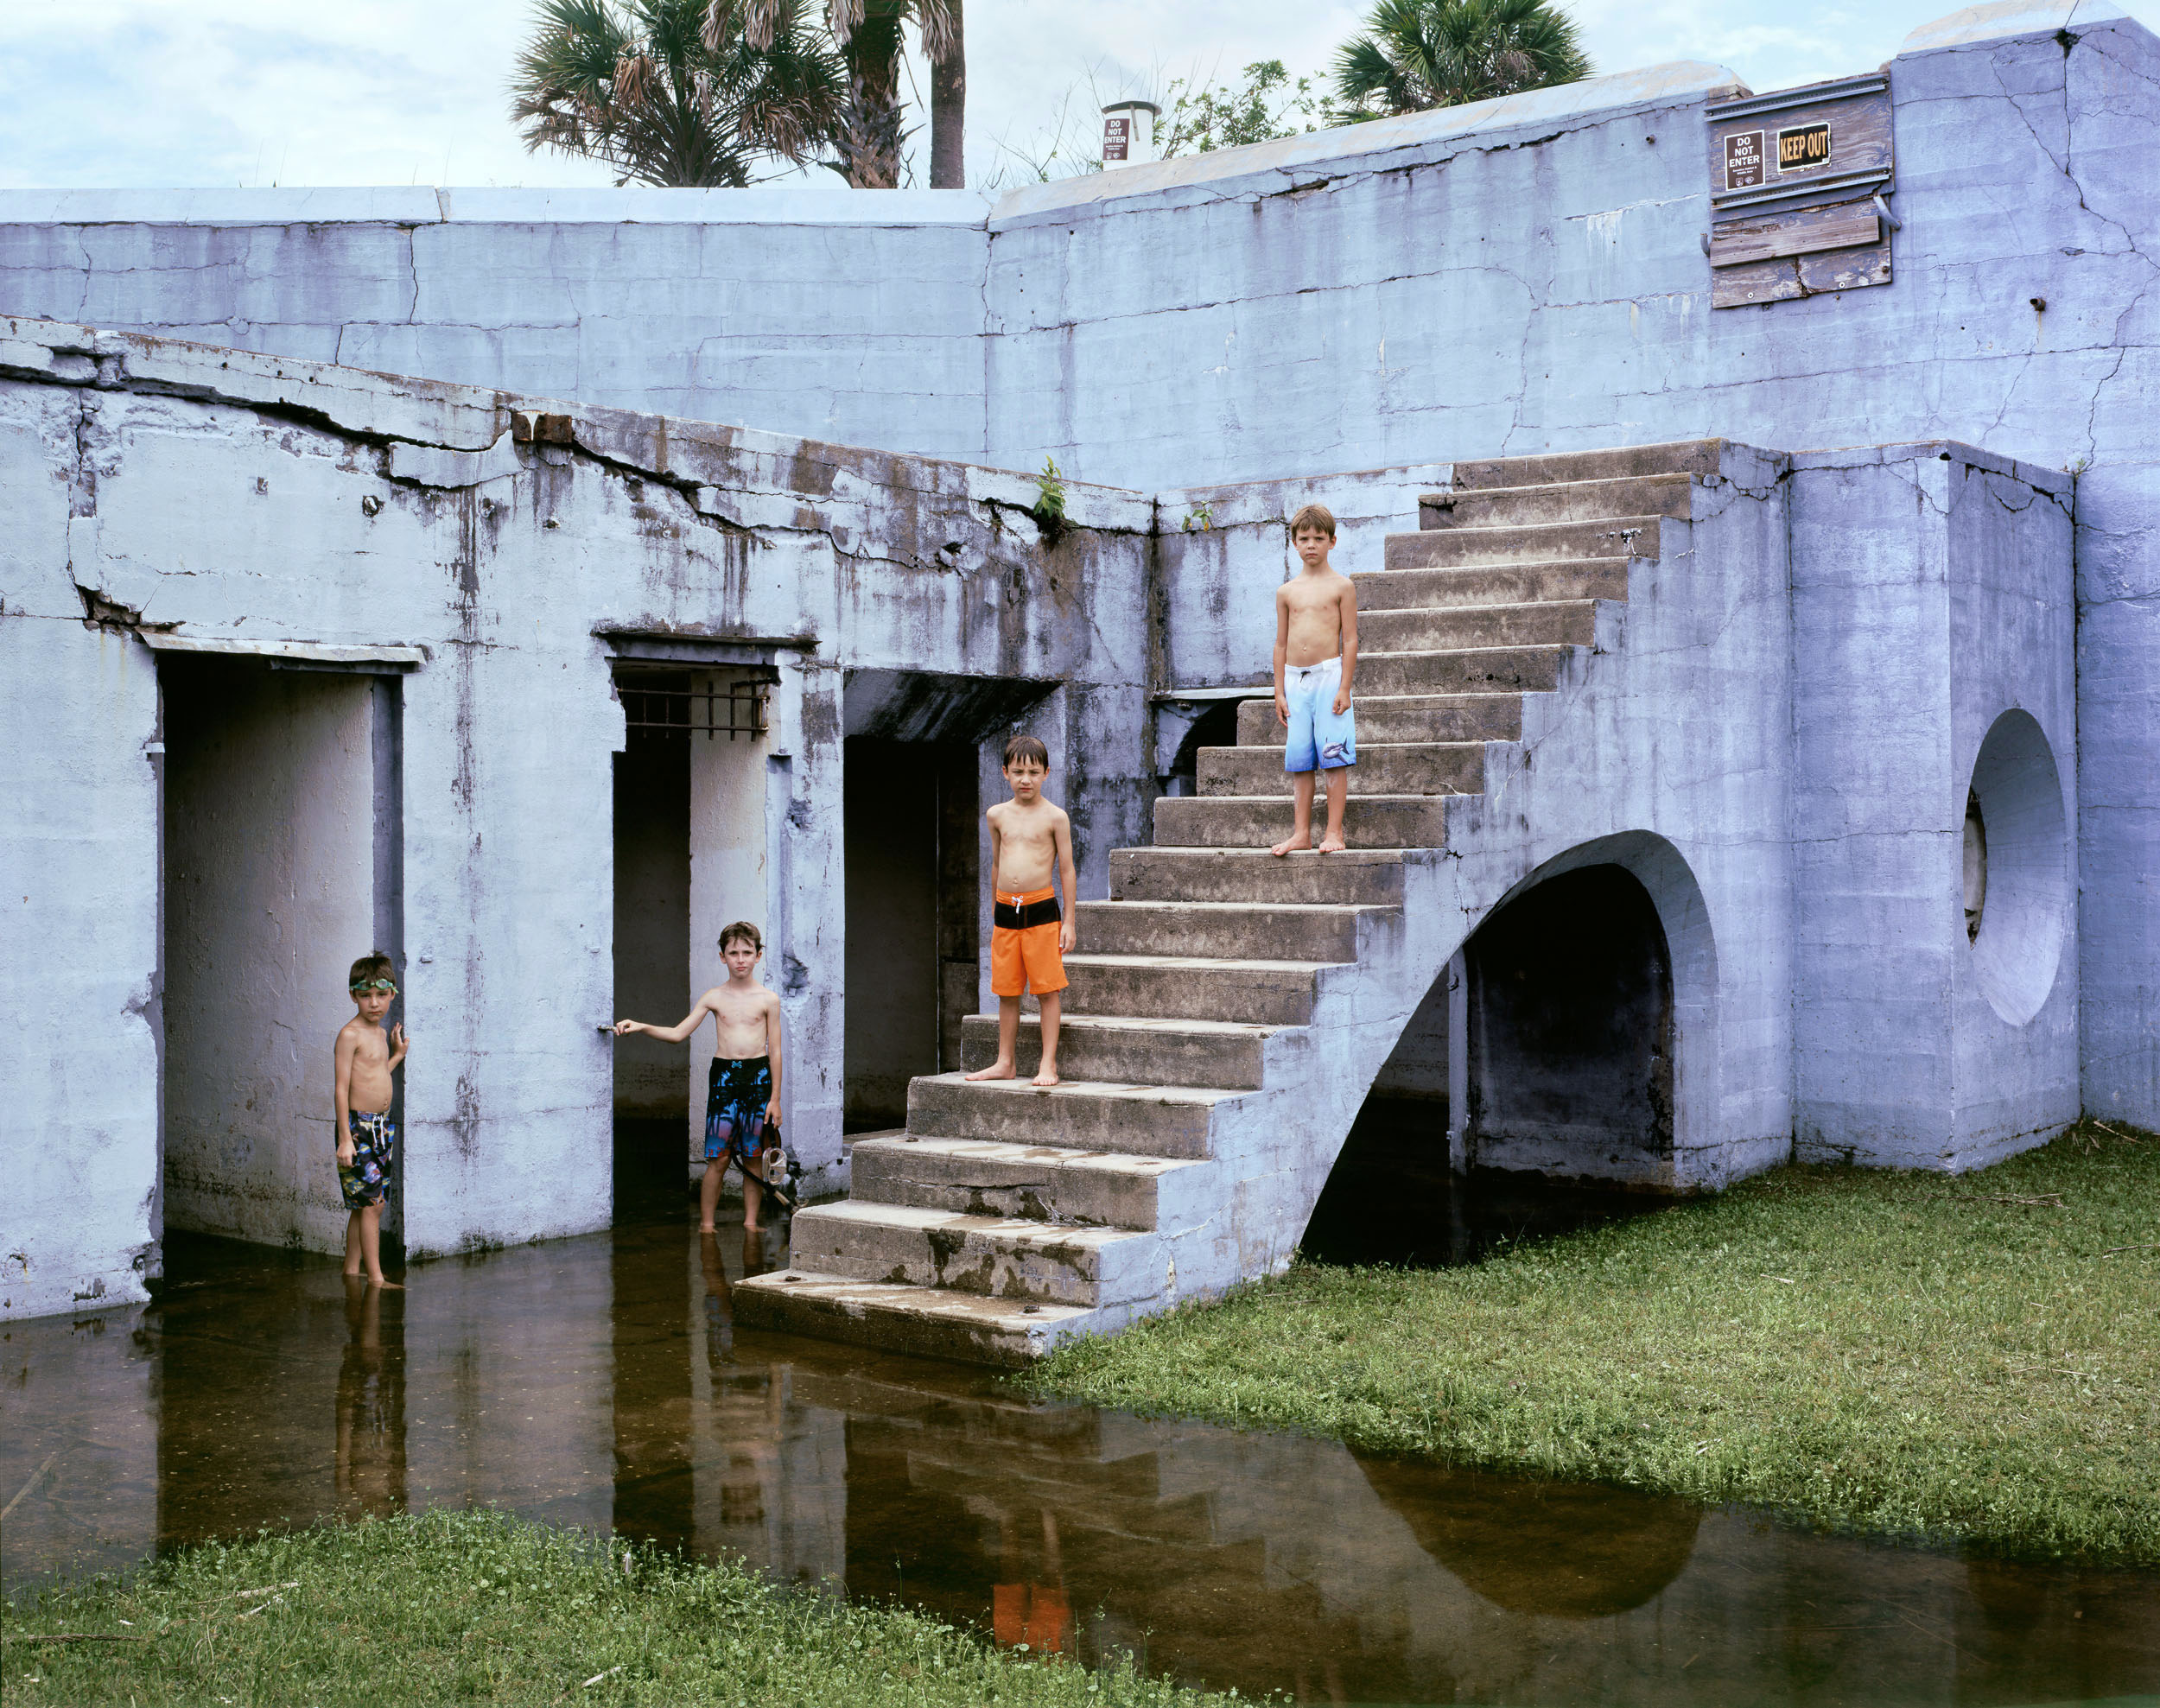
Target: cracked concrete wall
<point>1931,596</point>
<point>1512,276</point>
<point>795,310</point>
<point>254,503</point>
<point>1527,276</point>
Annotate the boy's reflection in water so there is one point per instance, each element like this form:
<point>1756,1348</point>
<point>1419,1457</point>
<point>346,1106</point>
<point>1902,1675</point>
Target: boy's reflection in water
<point>371,1463</point>
<point>719,1312</point>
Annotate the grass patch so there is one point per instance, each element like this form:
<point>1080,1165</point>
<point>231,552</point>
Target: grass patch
<point>477,1606</point>
<point>1959,1356</point>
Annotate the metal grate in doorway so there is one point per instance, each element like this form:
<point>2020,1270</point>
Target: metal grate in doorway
<point>730,709</point>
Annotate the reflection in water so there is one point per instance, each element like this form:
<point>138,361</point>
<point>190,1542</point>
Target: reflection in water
<point>602,1382</point>
<point>1569,1550</point>
<point>370,1421</point>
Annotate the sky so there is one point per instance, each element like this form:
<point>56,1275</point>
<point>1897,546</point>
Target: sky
<point>201,93</point>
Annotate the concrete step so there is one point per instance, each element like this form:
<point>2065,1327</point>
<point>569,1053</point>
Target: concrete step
<point>1549,622</point>
<point>1382,768</point>
<point>1369,877</point>
<point>1421,717</point>
<point>1659,495</point>
<point>1230,931</point>
<point>1138,1050</point>
<point>1506,584</point>
<point>1678,456</point>
<point>994,1256</point>
<point>896,1316</point>
<point>1482,669</point>
<point>1148,1120</point>
<point>1261,821</point>
<point>1486,548</point>
<point>1031,1183</point>
<point>1260,993</point>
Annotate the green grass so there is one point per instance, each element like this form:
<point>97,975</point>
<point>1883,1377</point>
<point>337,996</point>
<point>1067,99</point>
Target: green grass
<point>1949,1356</point>
<point>476,1606</point>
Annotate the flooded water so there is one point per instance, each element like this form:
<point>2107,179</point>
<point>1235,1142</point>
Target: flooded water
<point>601,1382</point>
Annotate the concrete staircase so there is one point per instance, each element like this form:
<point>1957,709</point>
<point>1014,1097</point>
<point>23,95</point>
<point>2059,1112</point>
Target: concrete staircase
<point>1228,1010</point>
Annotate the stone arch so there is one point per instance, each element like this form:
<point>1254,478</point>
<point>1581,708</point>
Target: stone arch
<point>1589,1019</point>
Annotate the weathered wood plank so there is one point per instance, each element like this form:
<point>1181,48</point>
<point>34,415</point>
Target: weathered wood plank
<point>1807,231</point>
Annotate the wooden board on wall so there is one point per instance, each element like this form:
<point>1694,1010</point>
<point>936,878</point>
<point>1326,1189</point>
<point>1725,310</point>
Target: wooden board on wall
<point>1796,182</point>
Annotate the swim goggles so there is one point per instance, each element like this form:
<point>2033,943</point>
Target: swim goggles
<point>390,985</point>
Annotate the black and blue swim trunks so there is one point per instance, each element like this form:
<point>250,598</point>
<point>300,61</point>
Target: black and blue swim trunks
<point>364,1181</point>
<point>736,1094</point>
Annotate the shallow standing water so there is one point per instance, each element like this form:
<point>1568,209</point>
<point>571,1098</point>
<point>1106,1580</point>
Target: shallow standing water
<point>600,1381</point>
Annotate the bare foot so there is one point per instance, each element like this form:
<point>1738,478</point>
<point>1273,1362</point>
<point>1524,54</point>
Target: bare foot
<point>1301,840</point>
<point>393,1286</point>
<point>1334,844</point>
<point>707,1228</point>
<point>995,1070</point>
<point>1047,1079</point>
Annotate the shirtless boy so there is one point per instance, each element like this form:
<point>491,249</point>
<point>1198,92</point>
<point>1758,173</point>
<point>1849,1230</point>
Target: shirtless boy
<point>361,1064</point>
<point>1030,841</point>
<point>742,1091</point>
<point>1316,656</point>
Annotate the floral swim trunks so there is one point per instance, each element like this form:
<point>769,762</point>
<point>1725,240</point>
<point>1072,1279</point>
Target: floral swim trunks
<point>365,1180</point>
<point>736,1093</point>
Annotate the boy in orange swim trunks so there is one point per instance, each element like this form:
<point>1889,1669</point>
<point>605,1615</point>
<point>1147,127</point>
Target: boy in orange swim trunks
<point>1031,840</point>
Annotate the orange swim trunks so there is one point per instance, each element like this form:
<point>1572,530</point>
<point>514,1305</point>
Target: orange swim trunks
<point>1024,944</point>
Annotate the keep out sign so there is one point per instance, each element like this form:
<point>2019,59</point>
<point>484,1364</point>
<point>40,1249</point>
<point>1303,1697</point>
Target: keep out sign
<point>1803,147</point>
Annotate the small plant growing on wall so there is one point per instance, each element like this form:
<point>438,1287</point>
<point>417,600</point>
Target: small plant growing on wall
<point>1201,515</point>
<point>1049,508</point>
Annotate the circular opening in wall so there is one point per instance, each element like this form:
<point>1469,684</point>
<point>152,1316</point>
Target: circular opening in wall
<point>2017,867</point>
<point>1975,865</point>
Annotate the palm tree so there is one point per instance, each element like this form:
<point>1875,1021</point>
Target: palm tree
<point>644,86</point>
<point>869,33</point>
<point>1416,55</point>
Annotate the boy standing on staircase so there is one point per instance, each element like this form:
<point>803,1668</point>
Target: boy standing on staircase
<point>1030,842</point>
<point>1316,656</point>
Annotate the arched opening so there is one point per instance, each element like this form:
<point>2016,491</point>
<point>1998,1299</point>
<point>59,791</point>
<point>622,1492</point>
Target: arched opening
<point>2020,916</point>
<point>1570,1034</point>
<point>1215,728</point>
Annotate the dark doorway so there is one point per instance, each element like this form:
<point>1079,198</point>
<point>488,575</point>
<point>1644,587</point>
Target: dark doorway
<point>279,846</point>
<point>1215,728</point>
<point>1570,1029</point>
<point>652,962</point>
<point>913,903</point>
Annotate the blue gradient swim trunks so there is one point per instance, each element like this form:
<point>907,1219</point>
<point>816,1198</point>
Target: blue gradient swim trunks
<point>1320,738</point>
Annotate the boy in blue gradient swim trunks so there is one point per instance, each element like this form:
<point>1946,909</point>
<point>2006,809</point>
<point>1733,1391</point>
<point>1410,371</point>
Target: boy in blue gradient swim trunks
<point>742,1092</point>
<point>1316,656</point>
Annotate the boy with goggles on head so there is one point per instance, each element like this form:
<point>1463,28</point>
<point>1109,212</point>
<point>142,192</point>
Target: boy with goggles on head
<point>367,1139</point>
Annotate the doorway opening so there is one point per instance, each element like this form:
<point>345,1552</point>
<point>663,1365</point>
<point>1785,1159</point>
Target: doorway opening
<point>914,903</point>
<point>689,845</point>
<point>280,846</point>
<point>1570,1031</point>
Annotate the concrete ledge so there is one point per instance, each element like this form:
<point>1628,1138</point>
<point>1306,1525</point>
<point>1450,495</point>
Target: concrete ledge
<point>2008,18</point>
<point>1274,168</point>
<point>638,206</point>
